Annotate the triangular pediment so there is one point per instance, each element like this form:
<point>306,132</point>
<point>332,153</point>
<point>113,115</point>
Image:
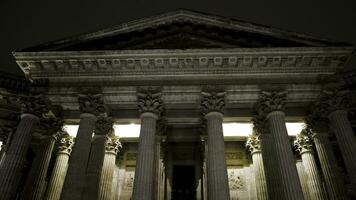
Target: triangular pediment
<point>184,29</point>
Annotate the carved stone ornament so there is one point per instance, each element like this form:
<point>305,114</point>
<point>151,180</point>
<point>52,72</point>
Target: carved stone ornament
<point>65,143</point>
<point>50,125</point>
<point>213,102</point>
<point>161,126</point>
<point>271,101</point>
<point>113,145</point>
<point>317,124</point>
<point>253,143</point>
<point>103,125</point>
<point>259,125</point>
<point>35,104</point>
<point>91,103</point>
<point>150,101</point>
<point>334,100</point>
<point>303,142</point>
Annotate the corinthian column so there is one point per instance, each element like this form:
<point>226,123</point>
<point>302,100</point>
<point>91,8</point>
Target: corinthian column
<point>106,181</point>
<point>5,136</point>
<point>271,105</point>
<point>218,185</point>
<point>55,185</point>
<point>92,184</point>
<point>336,104</point>
<point>254,146</point>
<point>11,168</point>
<point>90,106</point>
<point>150,107</point>
<point>320,128</point>
<point>36,181</point>
<point>303,144</point>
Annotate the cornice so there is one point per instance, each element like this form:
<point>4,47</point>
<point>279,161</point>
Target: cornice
<point>175,62</point>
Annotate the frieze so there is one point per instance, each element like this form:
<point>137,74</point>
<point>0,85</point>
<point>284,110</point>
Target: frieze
<point>234,155</point>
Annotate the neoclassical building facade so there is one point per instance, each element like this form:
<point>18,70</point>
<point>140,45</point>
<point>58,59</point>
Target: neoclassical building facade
<point>180,106</point>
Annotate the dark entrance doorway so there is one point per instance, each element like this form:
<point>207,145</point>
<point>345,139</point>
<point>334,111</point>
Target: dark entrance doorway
<point>183,183</point>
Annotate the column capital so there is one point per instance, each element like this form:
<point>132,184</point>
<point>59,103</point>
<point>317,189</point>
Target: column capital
<point>149,99</point>
<point>103,125</point>
<point>4,134</point>
<point>260,126</point>
<point>271,101</point>
<point>65,144</point>
<point>50,126</point>
<point>35,104</point>
<point>113,145</point>
<point>317,124</point>
<point>213,102</point>
<point>303,142</point>
<point>253,144</point>
<point>332,100</point>
<point>91,103</point>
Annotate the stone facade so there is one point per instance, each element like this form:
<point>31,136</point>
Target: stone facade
<point>181,75</point>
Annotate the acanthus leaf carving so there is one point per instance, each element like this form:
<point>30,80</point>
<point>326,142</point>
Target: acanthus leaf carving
<point>35,104</point>
<point>103,125</point>
<point>113,145</point>
<point>253,143</point>
<point>271,101</point>
<point>150,100</point>
<point>65,143</point>
<point>91,103</point>
<point>213,102</point>
<point>332,100</point>
<point>304,142</point>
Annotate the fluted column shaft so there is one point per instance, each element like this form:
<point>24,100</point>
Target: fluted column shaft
<point>144,172</point>
<point>11,168</point>
<point>260,177</point>
<point>55,185</point>
<point>347,141</point>
<point>35,184</point>
<point>218,185</point>
<point>95,167</point>
<point>290,184</point>
<point>75,179</point>
<point>332,177</point>
<point>269,158</point>
<point>316,190</point>
<point>105,191</point>
<point>303,179</point>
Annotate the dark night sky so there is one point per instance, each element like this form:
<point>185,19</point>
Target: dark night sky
<point>30,22</point>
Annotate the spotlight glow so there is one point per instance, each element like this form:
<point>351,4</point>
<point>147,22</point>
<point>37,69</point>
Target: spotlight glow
<point>237,129</point>
<point>127,130</point>
<point>294,128</point>
<point>72,130</point>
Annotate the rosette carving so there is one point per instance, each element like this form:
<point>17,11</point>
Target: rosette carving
<point>91,103</point>
<point>150,101</point>
<point>303,141</point>
<point>253,143</point>
<point>213,102</point>
<point>35,104</point>
<point>271,101</point>
<point>103,125</point>
<point>65,143</point>
<point>113,145</point>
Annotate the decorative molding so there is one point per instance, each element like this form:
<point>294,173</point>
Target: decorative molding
<point>271,101</point>
<point>213,102</point>
<point>65,143</point>
<point>303,142</point>
<point>253,144</point>
<point>149,99</point>
<point>91,103</point>
<point>103,125</point>
<point>169,62</point>
<point>35,104</point>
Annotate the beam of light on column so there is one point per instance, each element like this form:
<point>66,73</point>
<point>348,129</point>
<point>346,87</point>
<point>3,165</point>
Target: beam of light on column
<point>0,145</point>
